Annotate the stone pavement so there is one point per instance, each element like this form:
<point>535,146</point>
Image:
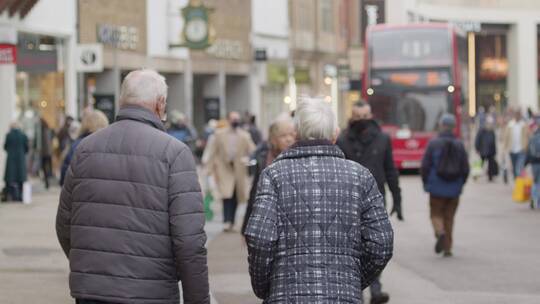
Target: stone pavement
<point>496,253</point>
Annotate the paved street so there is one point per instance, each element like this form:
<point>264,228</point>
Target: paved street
<point>496,253</point>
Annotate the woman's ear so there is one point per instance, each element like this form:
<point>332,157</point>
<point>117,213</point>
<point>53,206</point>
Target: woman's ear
<point>336,135</point>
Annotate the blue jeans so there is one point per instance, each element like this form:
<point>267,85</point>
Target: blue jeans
<point>535,195</point>
<point>518,161</point>
<point>229,208</point>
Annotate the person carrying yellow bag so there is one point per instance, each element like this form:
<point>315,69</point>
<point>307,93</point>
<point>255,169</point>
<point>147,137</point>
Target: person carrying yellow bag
<point>533,158</point>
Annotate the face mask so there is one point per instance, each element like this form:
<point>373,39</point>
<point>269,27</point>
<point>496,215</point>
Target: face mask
<point>235,124</point>
<point>359,126</point>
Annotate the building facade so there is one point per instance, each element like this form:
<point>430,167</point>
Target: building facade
<point>37,73</point>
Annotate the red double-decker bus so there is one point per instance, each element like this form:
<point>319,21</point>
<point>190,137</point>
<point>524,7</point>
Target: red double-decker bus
<point>413,74</point>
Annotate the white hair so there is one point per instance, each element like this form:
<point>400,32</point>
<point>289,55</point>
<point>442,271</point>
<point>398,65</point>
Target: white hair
<point>314,119</point>
<point>143,87</point>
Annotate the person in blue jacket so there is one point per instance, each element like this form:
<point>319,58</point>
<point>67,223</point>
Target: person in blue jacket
<point>445,169</point>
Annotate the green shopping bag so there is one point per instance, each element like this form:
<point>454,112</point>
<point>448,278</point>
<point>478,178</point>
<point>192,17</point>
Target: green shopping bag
<point>208,199</point>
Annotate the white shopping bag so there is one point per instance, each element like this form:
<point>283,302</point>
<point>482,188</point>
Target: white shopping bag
<point>27,193</point>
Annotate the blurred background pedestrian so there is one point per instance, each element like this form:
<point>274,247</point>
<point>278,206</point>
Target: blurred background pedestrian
<point>16,147</point>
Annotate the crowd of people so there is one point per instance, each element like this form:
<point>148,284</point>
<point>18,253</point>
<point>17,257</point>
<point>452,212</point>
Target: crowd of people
<point>316,225</point>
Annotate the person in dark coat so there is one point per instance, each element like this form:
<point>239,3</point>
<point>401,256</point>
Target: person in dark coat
<point>92,121</point>
<point>319,232</point>
<point>444,193</point>
<point>16,147</point>
<point>131,218</point>
<point>486,146</point>
<point>364,142</point>
<point>254,132</point>
<point>281,136</point>
<point>45,150</point>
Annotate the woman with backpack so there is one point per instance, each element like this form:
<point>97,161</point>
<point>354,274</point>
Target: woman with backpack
<point>486,146</point>
<point>533,158</point>
<point>445,169</point>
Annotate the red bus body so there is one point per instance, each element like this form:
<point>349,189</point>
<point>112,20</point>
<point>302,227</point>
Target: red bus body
<point>413,74</point>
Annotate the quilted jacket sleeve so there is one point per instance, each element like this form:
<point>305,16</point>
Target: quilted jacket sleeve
<point>376,233</point>
<point>186,220</point>
<point>261,235</point>
<point>63,215</point>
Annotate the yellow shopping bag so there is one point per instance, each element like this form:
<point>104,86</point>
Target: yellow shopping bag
<point>522,189</point>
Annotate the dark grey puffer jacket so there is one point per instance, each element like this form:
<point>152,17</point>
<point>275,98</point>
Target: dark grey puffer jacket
<point>131,217</point>
<point>318,232</point>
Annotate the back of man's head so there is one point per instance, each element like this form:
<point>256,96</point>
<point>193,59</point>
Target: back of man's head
<point>314,119</point>
<point>447,122</point>
<point>143,88</point>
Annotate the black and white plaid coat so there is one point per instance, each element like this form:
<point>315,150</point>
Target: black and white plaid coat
<point>319,232</point>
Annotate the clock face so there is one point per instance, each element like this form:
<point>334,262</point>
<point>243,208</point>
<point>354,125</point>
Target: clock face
<point>196,30</point>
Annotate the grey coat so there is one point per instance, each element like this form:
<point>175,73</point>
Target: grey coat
<point>318,232</point>
<point>131,218</point>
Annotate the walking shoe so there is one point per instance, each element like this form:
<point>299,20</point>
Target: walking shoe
<point>439,243</point>
<point>380,298</point>
<point>448,254</point>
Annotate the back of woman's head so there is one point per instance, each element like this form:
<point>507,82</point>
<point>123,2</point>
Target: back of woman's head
<point>314,119</point>
<point>93,121</point>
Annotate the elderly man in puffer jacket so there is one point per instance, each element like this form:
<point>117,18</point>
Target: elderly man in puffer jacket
<point>131,216</point>
<point>319,232</point>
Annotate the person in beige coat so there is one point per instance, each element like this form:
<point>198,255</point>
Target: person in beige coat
<point>226,159</point>
<point>515,141</point>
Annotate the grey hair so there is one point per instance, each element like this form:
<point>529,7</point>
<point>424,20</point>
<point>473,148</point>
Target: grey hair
<point>143,87</point>
<point>314,119</point>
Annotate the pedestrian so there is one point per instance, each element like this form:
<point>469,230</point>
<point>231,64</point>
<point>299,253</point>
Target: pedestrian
<point>226,158</point>
<point>180,130</point>
<point>363,142</point>
<point>64,140</point>
<point>91,122</point>
<point>253,130</point>
<point>445,169</point>
<point>281,136</point>
<point>533,158</point>
<point>131,218</point>
<point>318,232</point>
<point>486,146</point>
<point>45,150</point>
<point>515,141</point>
<point>16,147</point>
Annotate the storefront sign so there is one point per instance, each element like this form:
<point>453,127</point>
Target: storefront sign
<point>36,61</point>
<point>211,108</point>
<point>8,54</point>
<point>89,58</point>
<point>105,103</point>
<point>276,74</point>
<point>226,49</point>
<point>121,37</point>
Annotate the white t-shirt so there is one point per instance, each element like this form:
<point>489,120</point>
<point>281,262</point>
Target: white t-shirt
<point>516,145</point>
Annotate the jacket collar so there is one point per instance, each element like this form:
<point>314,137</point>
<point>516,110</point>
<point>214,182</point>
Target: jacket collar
<point>368,135</point>
<point>309,148</point>
<point>140,114</point>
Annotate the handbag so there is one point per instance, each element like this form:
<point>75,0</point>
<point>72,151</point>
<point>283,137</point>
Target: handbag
<point>522,189</point>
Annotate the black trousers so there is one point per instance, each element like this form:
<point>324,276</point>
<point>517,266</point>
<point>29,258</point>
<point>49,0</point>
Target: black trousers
<point>229,208</point>
<point>13,192</point>
<point>46,167</point>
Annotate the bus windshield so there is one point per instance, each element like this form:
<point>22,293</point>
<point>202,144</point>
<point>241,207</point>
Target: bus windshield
<point>402,48</point>
<point>418,111</point>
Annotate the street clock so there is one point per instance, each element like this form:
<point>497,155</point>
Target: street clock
<point>198,33</point>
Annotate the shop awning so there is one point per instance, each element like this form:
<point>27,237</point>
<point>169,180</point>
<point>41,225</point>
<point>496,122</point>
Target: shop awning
<point>22,7</point>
